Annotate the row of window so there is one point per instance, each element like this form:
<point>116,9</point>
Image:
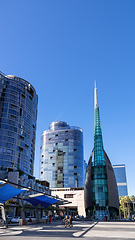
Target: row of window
<point>28,112</point>
<point>17,84</point>
<point>27,106</point>
<point>13,140</point>
<point>4,136</point>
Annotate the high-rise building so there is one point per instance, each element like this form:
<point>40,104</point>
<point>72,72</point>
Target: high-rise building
<point>100,189</point>
<point>120,174</point>
<point>62,156</point>
<point>18,115</point>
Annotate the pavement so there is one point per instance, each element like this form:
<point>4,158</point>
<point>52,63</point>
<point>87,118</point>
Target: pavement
<point>81,230</point>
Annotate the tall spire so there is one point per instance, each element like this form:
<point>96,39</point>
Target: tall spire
<point>95,97</point>
<point>98,142</point>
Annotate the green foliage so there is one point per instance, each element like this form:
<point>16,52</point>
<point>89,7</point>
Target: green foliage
<point>127,206</point>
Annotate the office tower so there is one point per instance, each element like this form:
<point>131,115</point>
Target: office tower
<point>120,174</point>
<point>18,115</point>
<point>62,156</point>
<point>100,189</point>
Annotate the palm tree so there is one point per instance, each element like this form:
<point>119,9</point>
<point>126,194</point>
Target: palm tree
<point>128,201</point>
<point>133,204</point>
<point>122,205</point>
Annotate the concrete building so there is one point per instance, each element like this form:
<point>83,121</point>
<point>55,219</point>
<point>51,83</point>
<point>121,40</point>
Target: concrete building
<point>75,196</point>
<point>62,156</point>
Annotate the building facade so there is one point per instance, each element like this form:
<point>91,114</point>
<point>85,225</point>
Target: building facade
<point>75,196</point>
<point>100,189</point>
<point>84,169</point>
<point>62,156</point>
<point>18,116</point>
<point>120,174</point>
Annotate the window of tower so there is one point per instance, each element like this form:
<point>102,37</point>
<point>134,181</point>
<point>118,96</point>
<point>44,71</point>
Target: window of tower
<point>20,112</point>
<point>13,117</point>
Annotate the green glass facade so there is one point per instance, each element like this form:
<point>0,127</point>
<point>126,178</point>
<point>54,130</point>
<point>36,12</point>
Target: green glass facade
<point>100,188</point>
<point>99,159</point>
<point>99,175</point>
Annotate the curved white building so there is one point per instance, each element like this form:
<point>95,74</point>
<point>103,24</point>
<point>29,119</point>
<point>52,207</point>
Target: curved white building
<point>62,156</point>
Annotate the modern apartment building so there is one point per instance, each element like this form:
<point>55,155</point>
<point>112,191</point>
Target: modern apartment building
<point>18,116</point>
<point>62,156</point>
<point>120,174</point>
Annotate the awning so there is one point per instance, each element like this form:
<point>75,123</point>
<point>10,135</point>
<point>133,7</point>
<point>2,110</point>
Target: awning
<point>45,201</point>
<point>7,192</point>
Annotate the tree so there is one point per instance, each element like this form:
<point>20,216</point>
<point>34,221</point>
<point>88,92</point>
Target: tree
<point>125,206</point>
<point>122,206</point>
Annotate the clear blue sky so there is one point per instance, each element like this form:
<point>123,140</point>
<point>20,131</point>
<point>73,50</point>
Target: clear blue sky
<point>61,47</point>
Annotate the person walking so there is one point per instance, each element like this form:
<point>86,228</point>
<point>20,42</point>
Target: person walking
<point>50,219</point>
<point>46,219</point>
<point>70,221</point>
<point>66,221</point>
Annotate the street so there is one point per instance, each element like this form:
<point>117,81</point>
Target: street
<point>81,230</point>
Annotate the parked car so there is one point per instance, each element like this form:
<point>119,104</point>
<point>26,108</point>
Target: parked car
<point>15,220</point>
<point>30,219</point>
<point>9,217</point>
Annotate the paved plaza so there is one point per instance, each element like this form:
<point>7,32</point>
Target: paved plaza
<point>80,230</point>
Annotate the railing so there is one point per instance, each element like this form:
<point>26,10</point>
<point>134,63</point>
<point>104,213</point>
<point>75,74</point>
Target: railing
<point>62,128</point>
<point>3,74</point>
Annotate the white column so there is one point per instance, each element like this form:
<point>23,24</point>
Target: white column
<point>3,212</point>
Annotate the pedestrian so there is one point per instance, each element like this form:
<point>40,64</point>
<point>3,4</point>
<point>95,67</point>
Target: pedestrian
<point>70,221</point>
<point>66,221</point>
<point>46,219</point>
<point>50,219</point>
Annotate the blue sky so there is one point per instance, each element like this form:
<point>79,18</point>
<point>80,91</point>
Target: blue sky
<point>61,47</point>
